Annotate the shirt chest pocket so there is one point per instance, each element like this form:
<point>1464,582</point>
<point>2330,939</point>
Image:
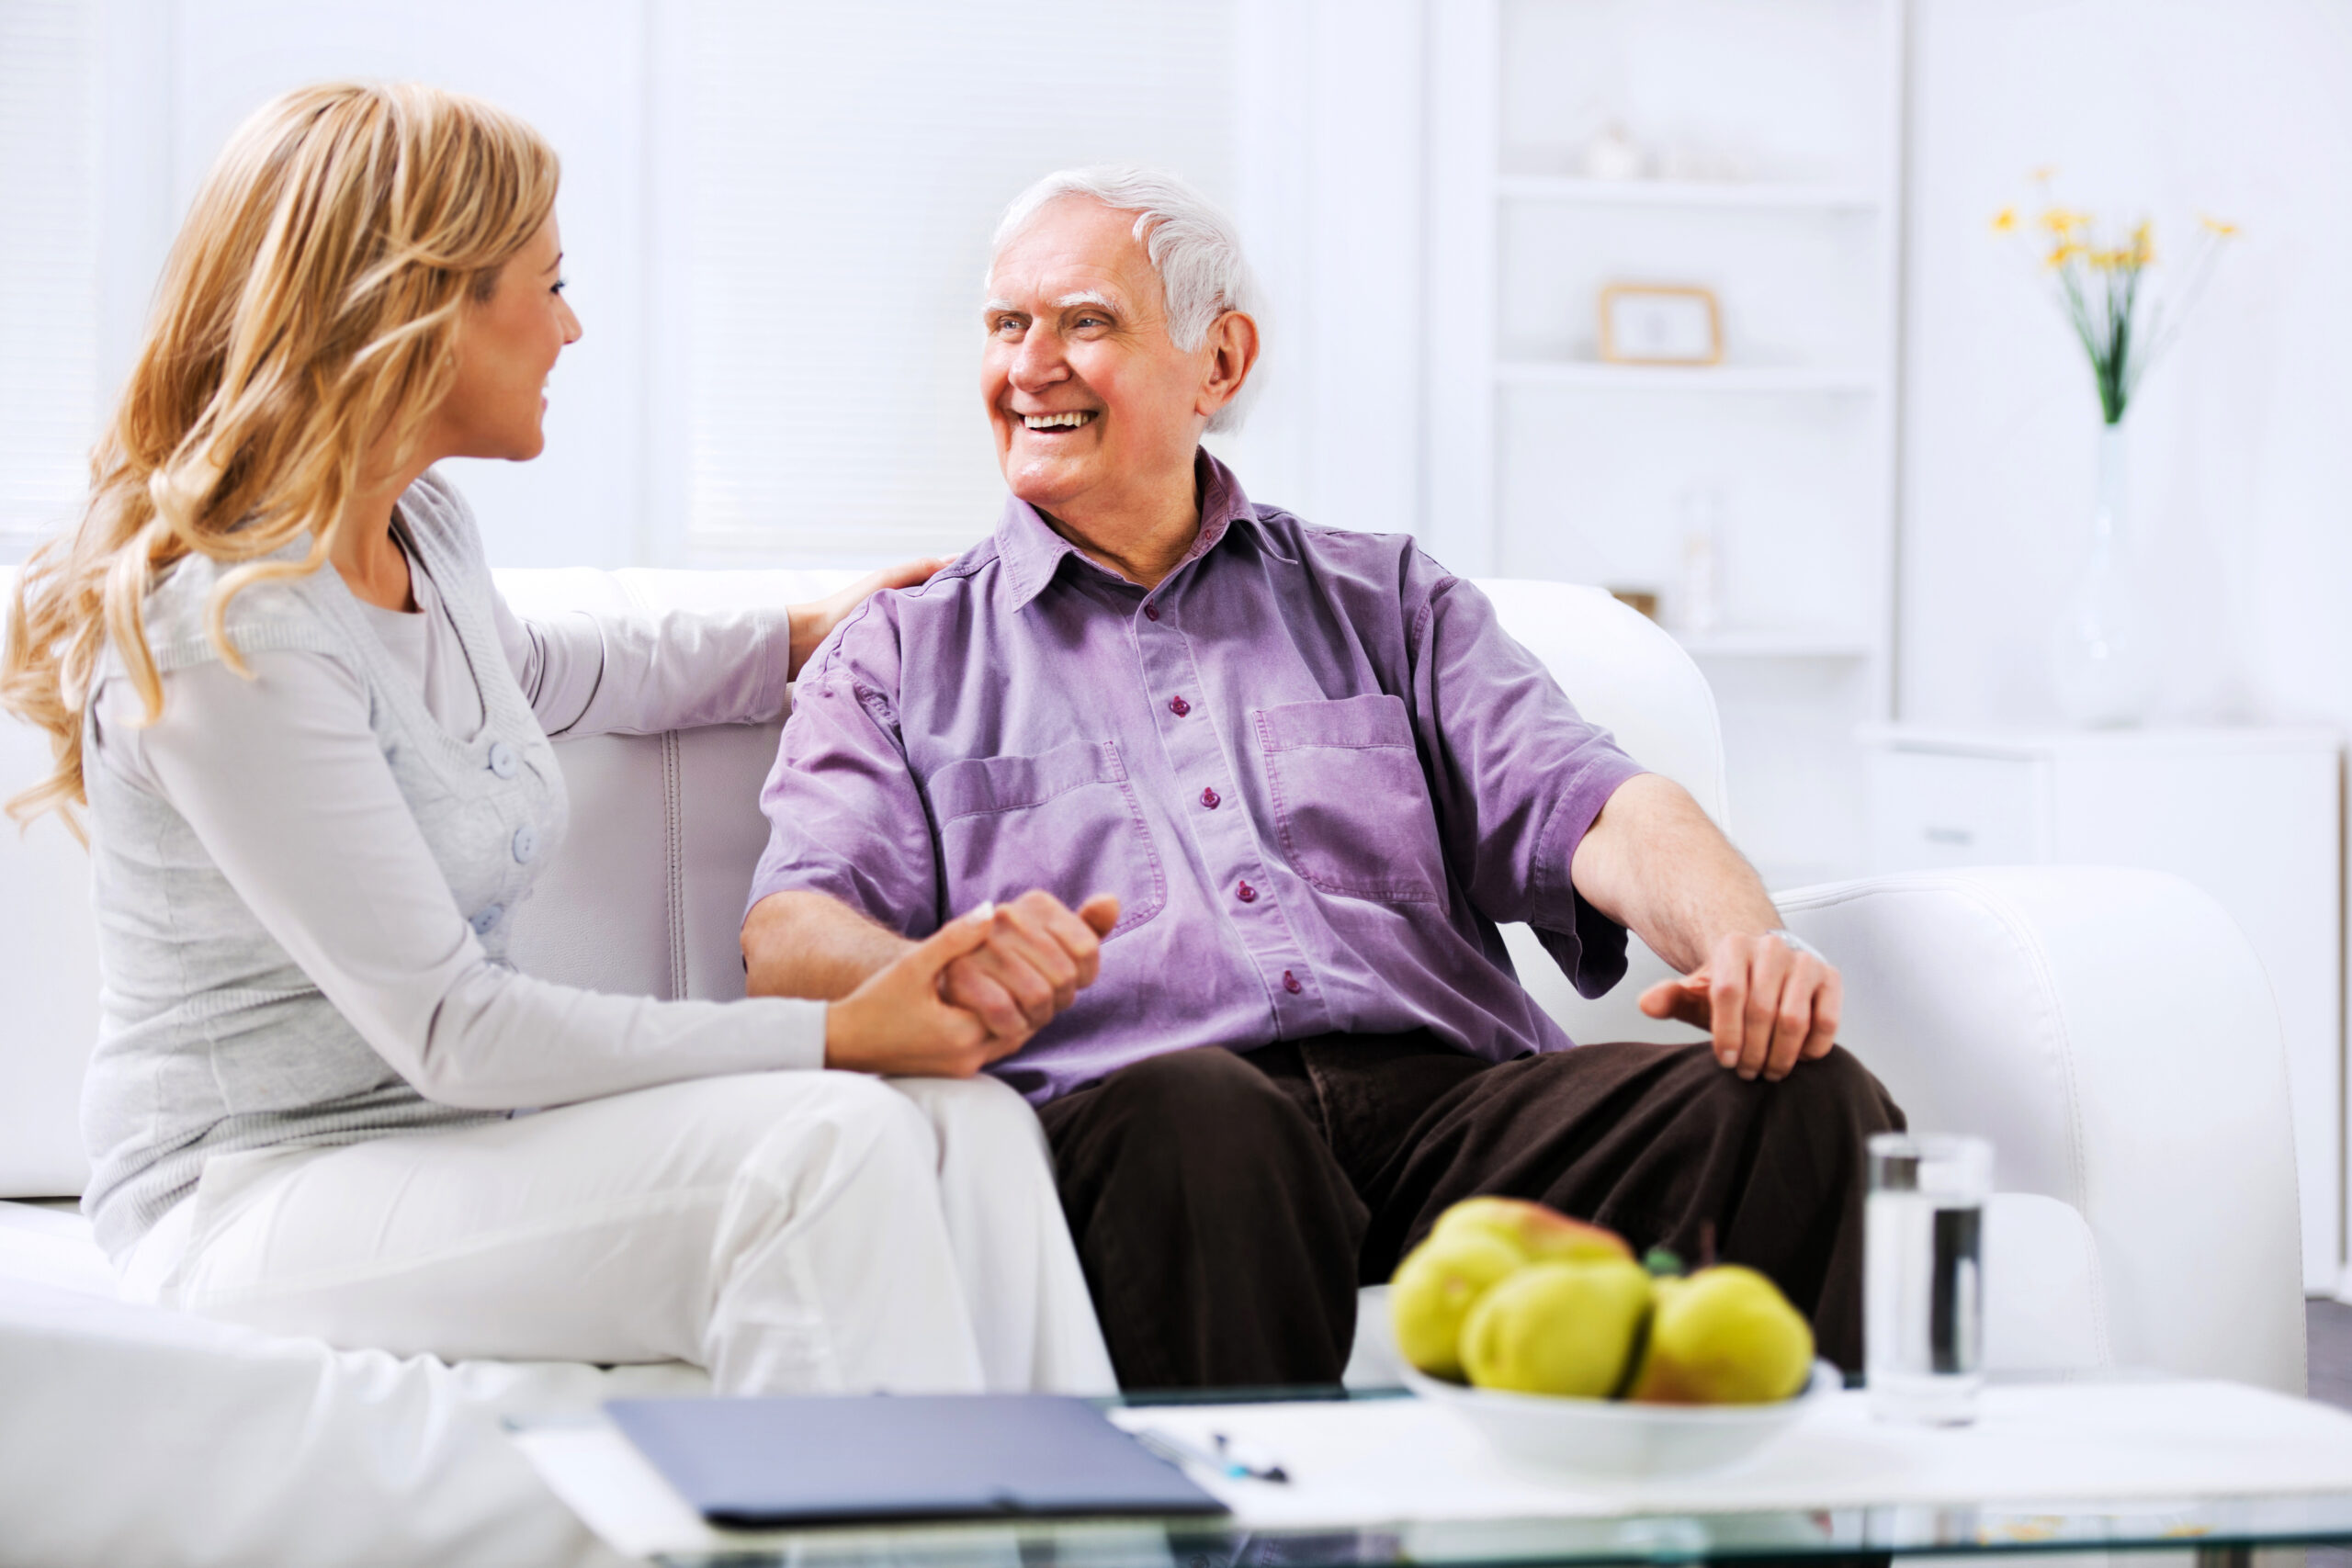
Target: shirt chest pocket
<point>1066,821</point>
<point>1352,808</point>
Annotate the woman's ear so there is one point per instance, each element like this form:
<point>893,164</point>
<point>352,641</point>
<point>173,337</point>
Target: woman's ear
<point>1233,350</point>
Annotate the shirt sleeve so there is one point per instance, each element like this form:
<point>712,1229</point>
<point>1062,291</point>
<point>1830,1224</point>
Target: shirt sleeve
<point>597,672</point>
<point>1520,775</point>
<point>845,816</point>
<point>285,785</point>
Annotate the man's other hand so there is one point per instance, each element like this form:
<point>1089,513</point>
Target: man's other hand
<point>1767,1005</point>
<point>1038,956</point>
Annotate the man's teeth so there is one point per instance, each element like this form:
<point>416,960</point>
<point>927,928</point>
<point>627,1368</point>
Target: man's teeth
<point>1057,421</point>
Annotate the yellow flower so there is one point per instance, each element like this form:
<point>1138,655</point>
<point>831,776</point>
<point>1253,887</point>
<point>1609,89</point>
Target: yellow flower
<point>2214,226</point>
<point>2006,220</point>
<point>2062,254</point>
<point>2059,221</point>
<point>2143,243</point>
<point>2045,174</point>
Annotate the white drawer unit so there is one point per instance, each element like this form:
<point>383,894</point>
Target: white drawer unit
<point>2253,817</point>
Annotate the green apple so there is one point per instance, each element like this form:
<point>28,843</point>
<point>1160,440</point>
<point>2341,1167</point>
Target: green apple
<point>1565,1329</point>
<point>1434,1288</point>
<point>1539,1231</point>
<point>1724,1335</point>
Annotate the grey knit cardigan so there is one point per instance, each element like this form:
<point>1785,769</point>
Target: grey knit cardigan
<point>212,1040</point>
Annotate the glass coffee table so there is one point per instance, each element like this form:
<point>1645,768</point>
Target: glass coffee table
<point>2224,1531</point>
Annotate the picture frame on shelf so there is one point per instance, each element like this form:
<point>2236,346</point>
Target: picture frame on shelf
<point>1655,323</point>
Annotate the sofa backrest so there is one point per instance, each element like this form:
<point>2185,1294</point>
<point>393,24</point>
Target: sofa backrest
<point>647,894</point>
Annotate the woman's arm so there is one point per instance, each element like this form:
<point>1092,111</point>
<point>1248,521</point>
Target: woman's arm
<point>287,789</point>
<point>601,673</point>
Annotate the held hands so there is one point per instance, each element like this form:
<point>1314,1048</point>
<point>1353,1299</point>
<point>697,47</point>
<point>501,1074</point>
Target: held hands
<point>813,622</point>
<point>1040,955</point>
<point>1767,1005</point>
<point>975,991</point>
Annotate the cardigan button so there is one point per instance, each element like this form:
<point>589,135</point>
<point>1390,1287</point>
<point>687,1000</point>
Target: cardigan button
<point>484,919</point>
<point>502,758</point>
<point>527,844</point>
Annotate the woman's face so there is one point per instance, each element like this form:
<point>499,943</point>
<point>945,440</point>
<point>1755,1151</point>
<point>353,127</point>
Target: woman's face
<point>506,346</point>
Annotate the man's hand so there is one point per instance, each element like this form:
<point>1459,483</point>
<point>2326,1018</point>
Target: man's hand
<point>1767,1007</point>
<point>1038,956</point>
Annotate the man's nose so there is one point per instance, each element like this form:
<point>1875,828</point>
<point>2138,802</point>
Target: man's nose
<point>1039,362</point>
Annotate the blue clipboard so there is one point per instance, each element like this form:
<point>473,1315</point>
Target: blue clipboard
<point>762,1463</point>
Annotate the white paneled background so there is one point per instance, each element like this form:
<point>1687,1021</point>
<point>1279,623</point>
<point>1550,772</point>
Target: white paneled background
<point>49,251</point>
<point>849,165</point>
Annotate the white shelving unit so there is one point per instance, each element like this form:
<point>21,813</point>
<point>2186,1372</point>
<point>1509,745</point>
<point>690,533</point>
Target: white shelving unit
<point>1546,461</point>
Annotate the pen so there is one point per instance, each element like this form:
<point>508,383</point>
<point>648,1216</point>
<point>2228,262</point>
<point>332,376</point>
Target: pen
<point>1226,1462</point>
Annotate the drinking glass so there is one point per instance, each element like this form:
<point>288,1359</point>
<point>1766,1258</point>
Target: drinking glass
<point>1923,1282</point>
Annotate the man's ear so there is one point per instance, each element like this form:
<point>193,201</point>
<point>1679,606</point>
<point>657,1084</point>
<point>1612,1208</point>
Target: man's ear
<point>1233,351</point>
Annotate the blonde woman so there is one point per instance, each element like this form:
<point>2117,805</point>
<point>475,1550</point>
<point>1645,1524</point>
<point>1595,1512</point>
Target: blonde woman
<point>312,743</point>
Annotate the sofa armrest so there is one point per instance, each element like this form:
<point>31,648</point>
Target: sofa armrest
<point>2114,1035</point>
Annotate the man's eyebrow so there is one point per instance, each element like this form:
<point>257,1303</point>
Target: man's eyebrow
<point>996,307</point>
<point>1085,297</point>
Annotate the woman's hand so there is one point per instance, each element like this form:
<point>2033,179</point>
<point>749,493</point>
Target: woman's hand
<point>813,622</point>
<point>895,1022</point>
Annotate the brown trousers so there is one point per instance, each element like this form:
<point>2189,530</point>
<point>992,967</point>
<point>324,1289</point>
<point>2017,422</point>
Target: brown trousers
<point>1226,1205</point>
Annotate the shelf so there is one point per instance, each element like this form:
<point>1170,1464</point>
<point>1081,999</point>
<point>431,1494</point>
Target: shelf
<point>1601,376</point>
<point>1754,195</point>
<point>1770,645</point>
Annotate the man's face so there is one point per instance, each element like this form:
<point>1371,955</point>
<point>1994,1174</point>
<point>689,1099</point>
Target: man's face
<point>1095,411</point>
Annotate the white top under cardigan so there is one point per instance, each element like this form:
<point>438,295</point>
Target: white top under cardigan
<point>286,784</point>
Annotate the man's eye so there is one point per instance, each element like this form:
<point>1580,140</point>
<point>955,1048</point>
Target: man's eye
<point>1093,322</point>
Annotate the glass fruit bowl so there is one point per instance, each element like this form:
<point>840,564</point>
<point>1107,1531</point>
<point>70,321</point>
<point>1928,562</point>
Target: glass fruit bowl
<point>1616,1440</point>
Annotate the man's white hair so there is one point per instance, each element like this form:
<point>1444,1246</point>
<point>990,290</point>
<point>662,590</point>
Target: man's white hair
<point>1191,242</point>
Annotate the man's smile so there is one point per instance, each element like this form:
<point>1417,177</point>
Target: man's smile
<point>1071,419</point>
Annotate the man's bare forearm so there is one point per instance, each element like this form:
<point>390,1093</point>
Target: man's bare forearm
<point>806,944</point>
<point>1653,863</point>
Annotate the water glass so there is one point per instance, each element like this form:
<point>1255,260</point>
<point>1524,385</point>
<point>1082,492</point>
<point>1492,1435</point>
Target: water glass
<point>1923,1282</point>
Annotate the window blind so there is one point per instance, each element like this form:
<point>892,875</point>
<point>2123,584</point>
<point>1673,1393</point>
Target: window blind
<point>849,164</point>
<point>49,272</point>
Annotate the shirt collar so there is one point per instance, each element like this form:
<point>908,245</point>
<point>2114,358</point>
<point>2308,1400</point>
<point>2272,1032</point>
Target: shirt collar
<point>1032,552</point>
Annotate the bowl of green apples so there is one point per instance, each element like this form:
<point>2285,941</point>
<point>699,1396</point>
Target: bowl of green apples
<point>1570,1354</point>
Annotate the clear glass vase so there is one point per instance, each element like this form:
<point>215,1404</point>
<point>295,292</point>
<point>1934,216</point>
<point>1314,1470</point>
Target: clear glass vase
<point>2103,649</point>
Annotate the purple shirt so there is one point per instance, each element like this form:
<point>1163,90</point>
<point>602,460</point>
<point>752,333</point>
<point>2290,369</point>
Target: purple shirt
<point>1314,769</point>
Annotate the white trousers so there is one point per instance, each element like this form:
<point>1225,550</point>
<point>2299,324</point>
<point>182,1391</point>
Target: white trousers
<point>789,1231</point>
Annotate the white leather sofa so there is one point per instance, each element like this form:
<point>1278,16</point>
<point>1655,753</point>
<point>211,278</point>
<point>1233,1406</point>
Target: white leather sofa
<point>2110,1032</point>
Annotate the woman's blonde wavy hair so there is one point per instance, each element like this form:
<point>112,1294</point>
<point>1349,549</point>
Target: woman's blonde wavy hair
<point>305,329</point>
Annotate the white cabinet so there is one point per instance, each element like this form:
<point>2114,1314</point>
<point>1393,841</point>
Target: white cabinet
<point>1751,151</point>
<point>2253,817</point>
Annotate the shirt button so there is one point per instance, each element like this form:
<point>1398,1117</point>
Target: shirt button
<point>1246,893</point>
<point>1179,706</point>
<point>502,758</point>
<point>527,844</point>
<point>1151,612</point>
<point>482,921</point>
<point>1290,983</point>
<point>1211,799</point>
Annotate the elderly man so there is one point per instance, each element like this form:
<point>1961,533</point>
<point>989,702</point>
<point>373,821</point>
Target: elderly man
<point>1290,777</point>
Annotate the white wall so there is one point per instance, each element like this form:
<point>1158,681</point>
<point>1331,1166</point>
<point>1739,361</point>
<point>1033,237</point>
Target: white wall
<point>2241,449</point>
<point>180,75</point>
<point>1321,160</point>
